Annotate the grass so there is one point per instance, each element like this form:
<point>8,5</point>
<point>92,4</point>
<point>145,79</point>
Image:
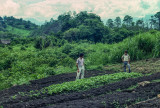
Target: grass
<point>14,97</point>
<point>156,81</point>
<point>21,32</point>
<point>147,66</point>
<point>132,87</point>
<point>20,66</point>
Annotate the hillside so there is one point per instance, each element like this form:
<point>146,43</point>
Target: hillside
<point>87,26</point>
<point>30,59</point>
<point>11,27</point>
<point>38,68</point>
<point>62,91</point>
<point>17,31</point>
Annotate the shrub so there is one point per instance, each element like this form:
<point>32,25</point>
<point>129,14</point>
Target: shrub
<point>10,48</point>
<point>75,52</point>
<point>145,44</point>
<point>157,48</point>
<point>23,48</point>
<point>67,48</point>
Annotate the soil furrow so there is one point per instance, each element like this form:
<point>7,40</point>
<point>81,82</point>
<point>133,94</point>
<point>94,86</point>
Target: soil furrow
<point>115,100</point>
<point>39,102</point>
<point>41,83</point>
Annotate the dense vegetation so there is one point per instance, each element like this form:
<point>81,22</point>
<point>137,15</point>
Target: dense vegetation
<point>11,27</point>
<point>19,64</point>
<point>54,47</point>
<point>89,26</point>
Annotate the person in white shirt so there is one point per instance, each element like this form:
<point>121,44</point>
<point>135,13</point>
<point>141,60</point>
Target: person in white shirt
<point>80,66</point>
<point>126,61</point>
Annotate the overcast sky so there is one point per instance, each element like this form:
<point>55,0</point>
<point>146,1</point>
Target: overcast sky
<point>45,9</point>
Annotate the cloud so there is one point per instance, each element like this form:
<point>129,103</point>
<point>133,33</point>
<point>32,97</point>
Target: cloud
<point>46,9</point>
<point>8,7</point>
<point>144,5</point>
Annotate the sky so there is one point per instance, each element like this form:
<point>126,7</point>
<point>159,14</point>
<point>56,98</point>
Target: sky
<point>42,10</point>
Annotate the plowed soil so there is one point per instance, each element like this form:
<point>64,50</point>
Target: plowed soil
<point>113,95</point>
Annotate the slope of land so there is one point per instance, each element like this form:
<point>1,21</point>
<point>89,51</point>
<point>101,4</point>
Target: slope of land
<point>120,94</point>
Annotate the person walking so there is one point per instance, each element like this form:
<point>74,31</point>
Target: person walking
<point>80,66</point>
<point>126,61</point>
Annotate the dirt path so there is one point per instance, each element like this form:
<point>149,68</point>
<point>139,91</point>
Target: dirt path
<point>100,96</point>
<point>41,83</point>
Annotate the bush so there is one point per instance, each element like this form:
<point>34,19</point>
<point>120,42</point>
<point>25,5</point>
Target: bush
<point>67,62</point>
<point>145,44</point>
<point>67,48</point>
<point>75,52</point>
<point>23,48</point>
<point>45,69</point>
<point>157,48</point>
<point>153,31</point>
<point>10,48</point>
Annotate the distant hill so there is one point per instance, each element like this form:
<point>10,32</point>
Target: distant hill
<point>11,27</point>
<point>37,22</point>
<point>66,22</point>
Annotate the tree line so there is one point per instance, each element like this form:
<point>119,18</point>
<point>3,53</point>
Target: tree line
<point>74,26</point>
<point>14,22</point>
<point>152,23</point>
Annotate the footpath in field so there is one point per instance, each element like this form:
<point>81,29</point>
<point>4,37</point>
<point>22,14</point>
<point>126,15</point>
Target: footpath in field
<point>104,96</point>
<point>41,83</point>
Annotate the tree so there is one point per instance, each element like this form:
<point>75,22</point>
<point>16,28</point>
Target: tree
<point>110,23</point>
<point>140,23</point>
<point>1,19</point>
<point>152,21</point>
<point>72,34</point>
<point>157,15</point>
<point>51,20</point>
<point>117,21</point>
<point>82,16</point>
<point>128,20</point>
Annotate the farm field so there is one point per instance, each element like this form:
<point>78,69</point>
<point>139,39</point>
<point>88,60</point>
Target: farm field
<point>38,62</point>
<point>125,91</point>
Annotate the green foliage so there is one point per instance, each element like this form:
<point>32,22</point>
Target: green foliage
<point>83,84</point>
<point>75,52</point>
<point>67,48</point>
<point>19,66</point>
<point>46,41</point>
<point>23,48</point>
<point>17,31</point>
<point>89,83</point>
<point>145,44</point>
<point>14,97</point>
<point>19,23</point>
<point>45,69</point>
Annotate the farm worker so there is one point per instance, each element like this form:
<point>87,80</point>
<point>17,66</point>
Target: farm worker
<point>126,61</point>
<point>80,66</point>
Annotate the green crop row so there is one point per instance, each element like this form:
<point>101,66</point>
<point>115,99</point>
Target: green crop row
<point>81,85</point>
<point>89,83</point>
